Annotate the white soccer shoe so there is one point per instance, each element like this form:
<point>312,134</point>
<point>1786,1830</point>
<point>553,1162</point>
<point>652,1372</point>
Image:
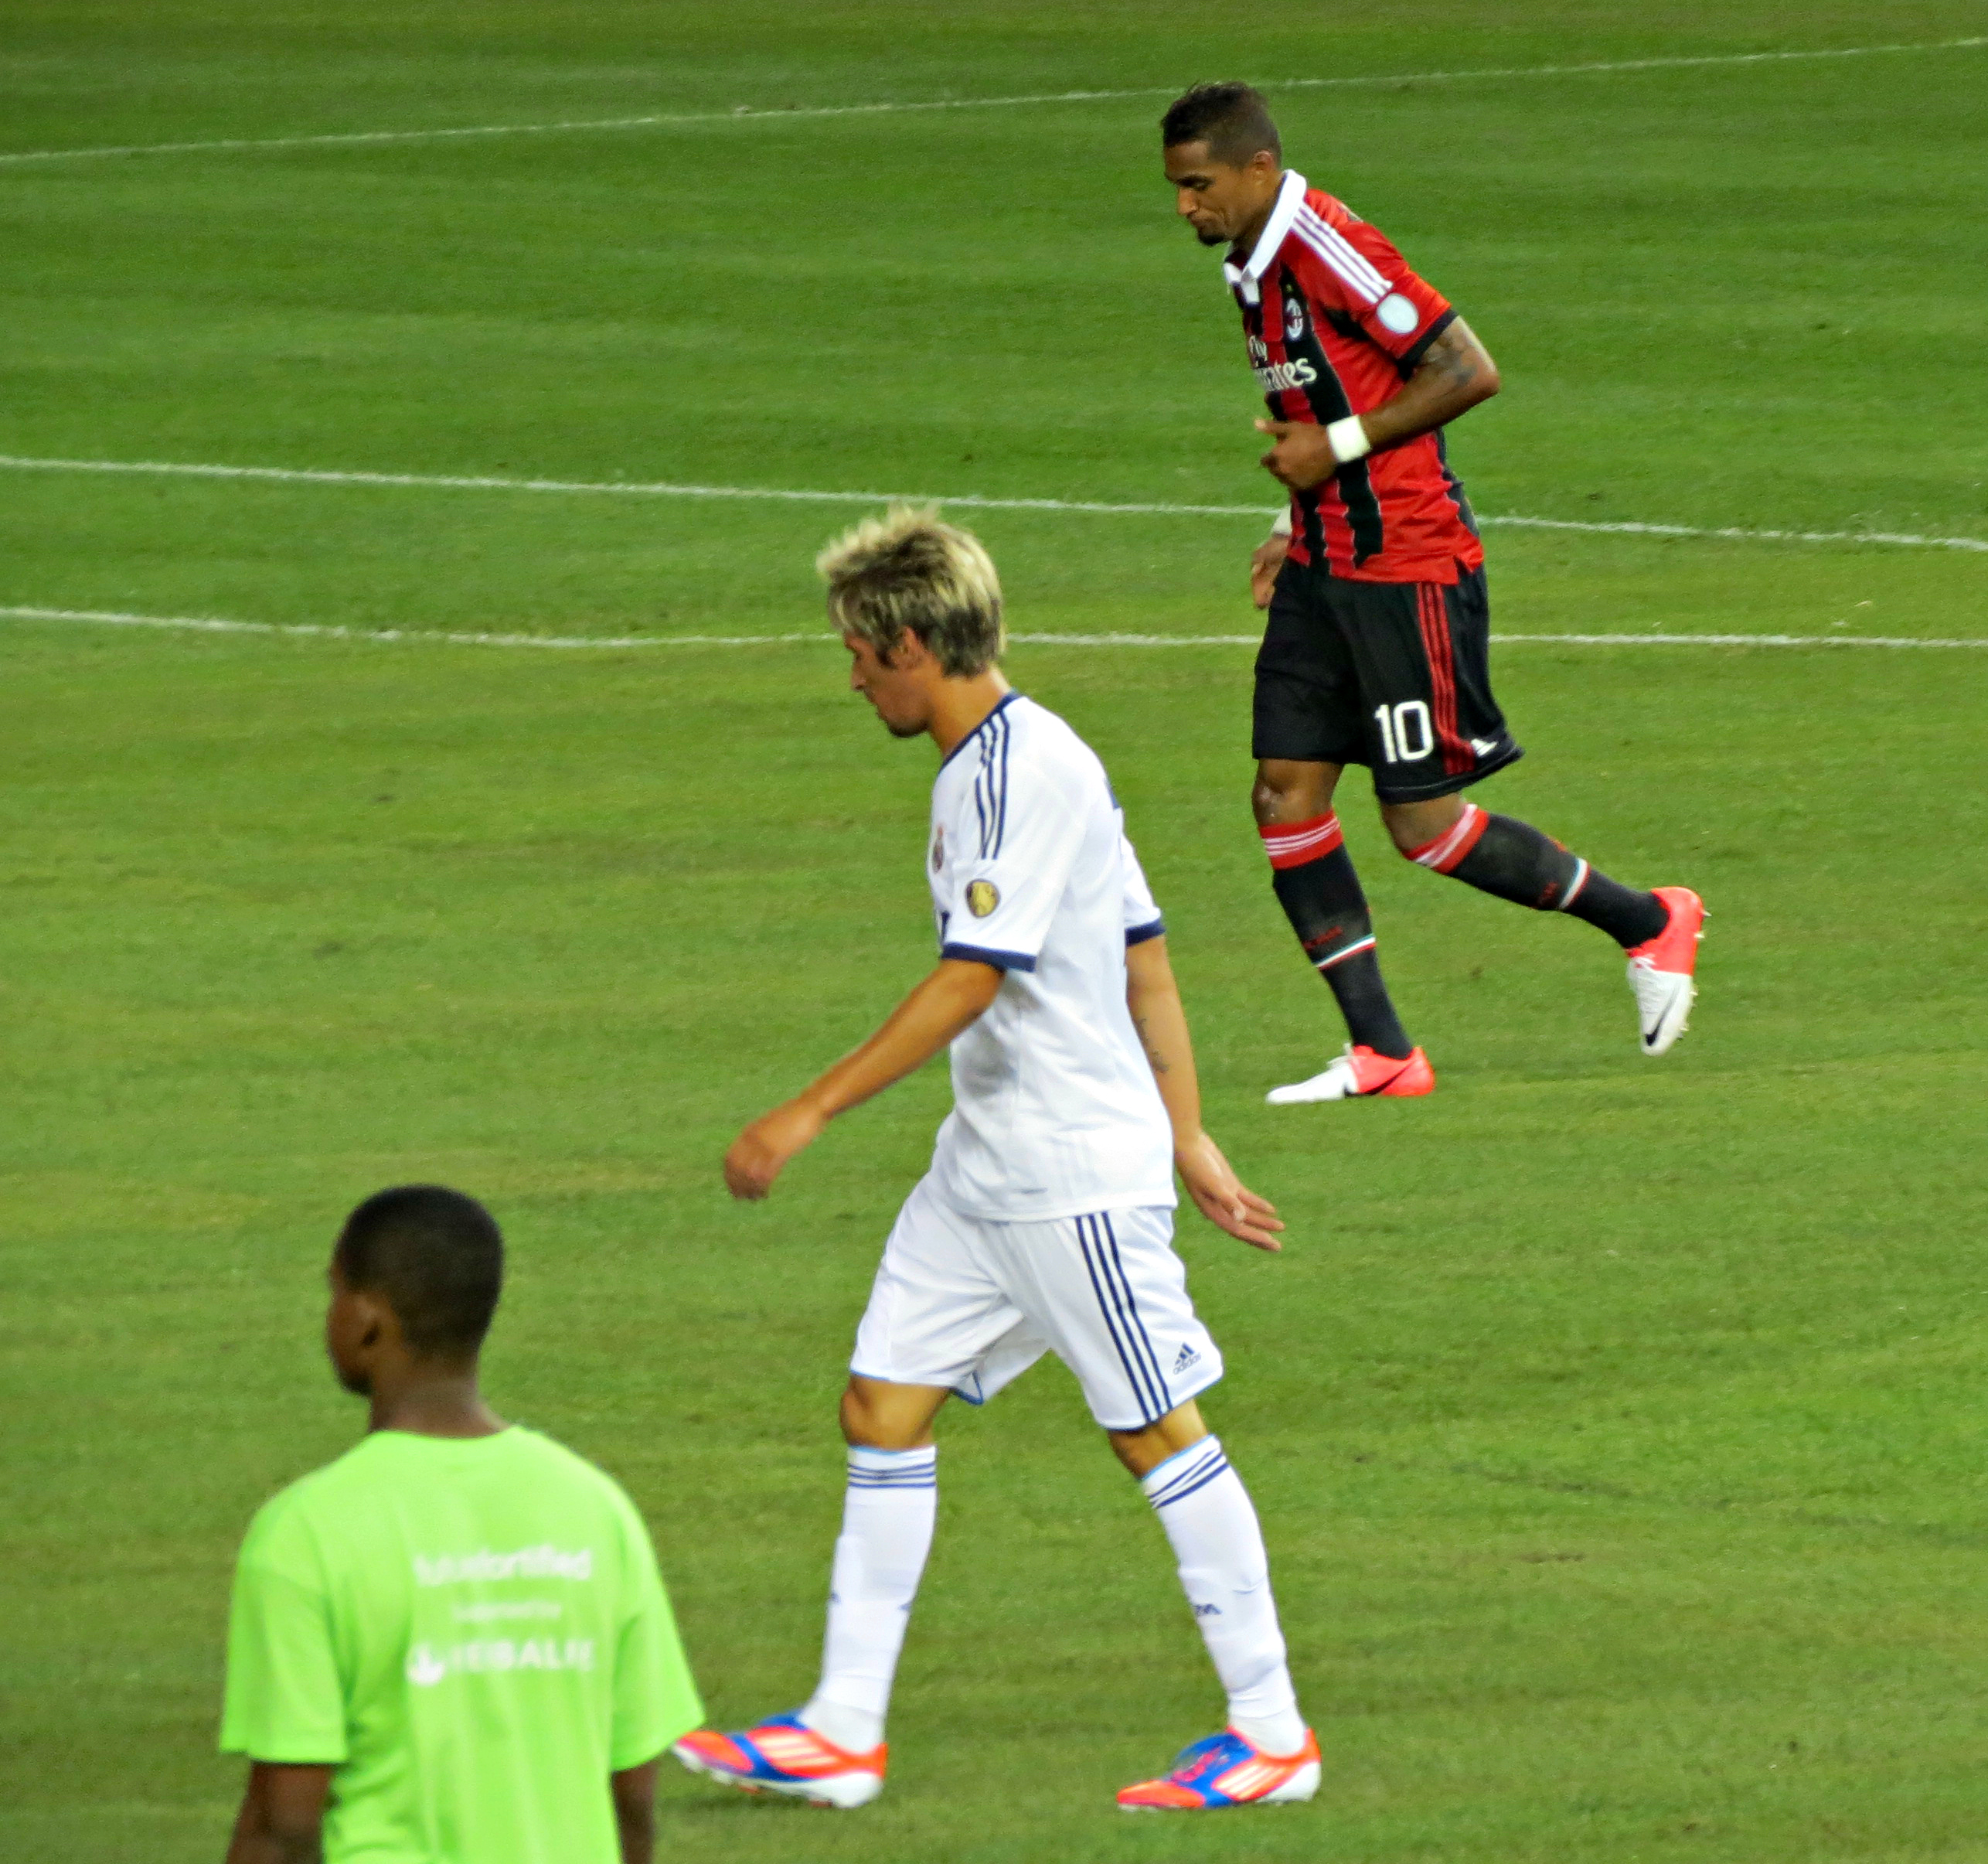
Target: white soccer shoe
<point>1661,971</point>
<point>1356,1074</point>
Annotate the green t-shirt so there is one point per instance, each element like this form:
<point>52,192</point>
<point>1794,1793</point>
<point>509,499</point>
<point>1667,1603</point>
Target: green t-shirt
<point>473,1631</point>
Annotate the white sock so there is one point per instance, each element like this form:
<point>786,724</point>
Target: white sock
<point>1208,1517</point>
<point>886,1532</point>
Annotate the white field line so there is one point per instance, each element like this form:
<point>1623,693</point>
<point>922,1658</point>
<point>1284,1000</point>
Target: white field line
<point>201,624</point>
<point>964,501</point>
<point>821,636</point>
<point>1565,640</point>
<point>742,112</point>
<point>1750,537</point>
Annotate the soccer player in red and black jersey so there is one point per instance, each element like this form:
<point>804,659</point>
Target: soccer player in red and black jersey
<point>1376,650</point>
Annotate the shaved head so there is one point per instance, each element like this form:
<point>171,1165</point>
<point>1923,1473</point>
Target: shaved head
<point>435,1257</point>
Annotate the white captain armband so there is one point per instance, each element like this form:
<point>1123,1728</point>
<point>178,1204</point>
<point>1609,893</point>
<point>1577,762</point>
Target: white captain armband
<point>1281,527</point>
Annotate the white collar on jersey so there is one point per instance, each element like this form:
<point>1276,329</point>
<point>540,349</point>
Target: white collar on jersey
<point>1290,197</point>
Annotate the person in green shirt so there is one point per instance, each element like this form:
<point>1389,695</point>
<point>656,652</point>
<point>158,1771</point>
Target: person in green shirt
<point>452,1646</point>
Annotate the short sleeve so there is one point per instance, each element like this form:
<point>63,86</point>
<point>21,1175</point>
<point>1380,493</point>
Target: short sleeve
<point>1017,837</point>
<point>1142,916</point>
<point>655,1699</point>
<point>1356,268</point>
<point>284,1700</point>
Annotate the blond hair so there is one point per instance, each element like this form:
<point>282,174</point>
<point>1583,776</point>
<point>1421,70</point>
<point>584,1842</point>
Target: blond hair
<point>907,570</point>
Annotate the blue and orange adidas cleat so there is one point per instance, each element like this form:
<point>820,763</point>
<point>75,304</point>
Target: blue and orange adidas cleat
<point>784,1755</point>
<point>1227,1769</point>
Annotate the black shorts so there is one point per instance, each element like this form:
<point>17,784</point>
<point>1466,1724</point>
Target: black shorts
<point>1393,675</point>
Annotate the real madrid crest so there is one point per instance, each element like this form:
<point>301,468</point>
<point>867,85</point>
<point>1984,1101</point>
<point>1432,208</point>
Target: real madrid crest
<point>981,897</point>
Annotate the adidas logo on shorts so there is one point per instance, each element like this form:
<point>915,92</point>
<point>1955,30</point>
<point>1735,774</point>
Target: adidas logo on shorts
<point>1188,1356</point>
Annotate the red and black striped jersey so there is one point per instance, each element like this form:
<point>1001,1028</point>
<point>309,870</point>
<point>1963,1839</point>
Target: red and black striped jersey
<point>1336,323</point>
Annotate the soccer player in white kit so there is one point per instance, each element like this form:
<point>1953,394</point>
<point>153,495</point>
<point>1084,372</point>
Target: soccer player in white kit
<point>1045,1223</point>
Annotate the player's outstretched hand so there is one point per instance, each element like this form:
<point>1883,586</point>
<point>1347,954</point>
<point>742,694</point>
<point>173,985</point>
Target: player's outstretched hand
<point>760,1151</point>
<point>1222,1197</point>
<point>1263,566</point>
<point>1300,455</point>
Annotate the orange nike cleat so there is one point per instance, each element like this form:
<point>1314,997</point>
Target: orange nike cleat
<point>1228,1770</point>
<point>1661,970</point>
<point>1357,1074</point>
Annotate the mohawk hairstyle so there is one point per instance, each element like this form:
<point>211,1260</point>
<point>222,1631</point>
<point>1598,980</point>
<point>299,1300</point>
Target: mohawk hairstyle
<point>907,571</point>
<point>436,1255</point>
<point>1232,119</point>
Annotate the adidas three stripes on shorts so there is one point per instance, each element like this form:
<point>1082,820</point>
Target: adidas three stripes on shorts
<point>971,1304</point>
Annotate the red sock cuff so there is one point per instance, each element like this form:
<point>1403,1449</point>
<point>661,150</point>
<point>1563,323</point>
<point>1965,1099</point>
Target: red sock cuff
<point>1291,844</point>
<point>1453,843</point>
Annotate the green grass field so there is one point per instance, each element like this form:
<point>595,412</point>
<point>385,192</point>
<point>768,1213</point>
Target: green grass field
<point>1617,1426</point>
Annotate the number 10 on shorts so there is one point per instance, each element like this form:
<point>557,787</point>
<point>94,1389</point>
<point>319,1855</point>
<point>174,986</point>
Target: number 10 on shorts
<point>1406,737</point>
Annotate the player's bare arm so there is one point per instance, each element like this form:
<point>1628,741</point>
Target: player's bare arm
<point>633,1790</point>
<point>1154,999</point>
<point>946,1002</point>
<point>282,1818</point>
<point>1456,373</point>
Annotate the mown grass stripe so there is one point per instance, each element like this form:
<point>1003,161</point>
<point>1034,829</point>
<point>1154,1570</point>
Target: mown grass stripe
<point>750,113</point>
<point>667,489</point>
<point>329,631</point>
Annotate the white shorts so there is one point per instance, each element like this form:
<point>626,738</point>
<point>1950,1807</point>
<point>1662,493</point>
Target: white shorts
<point>970,1303</point>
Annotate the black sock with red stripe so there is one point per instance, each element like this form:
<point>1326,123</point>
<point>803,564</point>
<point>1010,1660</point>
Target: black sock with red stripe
<point>1320,893</point>
<point>1501,855</point>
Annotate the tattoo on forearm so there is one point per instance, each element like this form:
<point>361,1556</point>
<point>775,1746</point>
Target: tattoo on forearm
<point>1160,1064</point>
<point>1454,355</point>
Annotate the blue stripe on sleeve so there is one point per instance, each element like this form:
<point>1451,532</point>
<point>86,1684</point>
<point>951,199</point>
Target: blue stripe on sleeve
<point>1000,805</point>
<point>1138,934</point>
<point>978,954</point>
<point>990,786</point>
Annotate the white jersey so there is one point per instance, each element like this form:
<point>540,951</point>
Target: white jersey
<point>1055,1111</point>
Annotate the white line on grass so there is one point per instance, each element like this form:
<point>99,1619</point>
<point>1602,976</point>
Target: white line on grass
<point>822,637</point>
<point>201,624</point>
<point>965,501</point>
<point>1747,640</point>
<point>1750,537</point>
<point>1566,640</point>
<point>351,138</point>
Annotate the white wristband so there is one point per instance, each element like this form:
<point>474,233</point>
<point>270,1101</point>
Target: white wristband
<point>1281,528</point>
<point>1348,440</point>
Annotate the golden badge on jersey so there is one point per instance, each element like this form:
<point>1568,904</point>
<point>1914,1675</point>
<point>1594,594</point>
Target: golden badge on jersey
<point>981,897</point>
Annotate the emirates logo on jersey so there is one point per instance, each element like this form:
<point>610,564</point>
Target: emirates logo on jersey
<point>1276,378</point>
